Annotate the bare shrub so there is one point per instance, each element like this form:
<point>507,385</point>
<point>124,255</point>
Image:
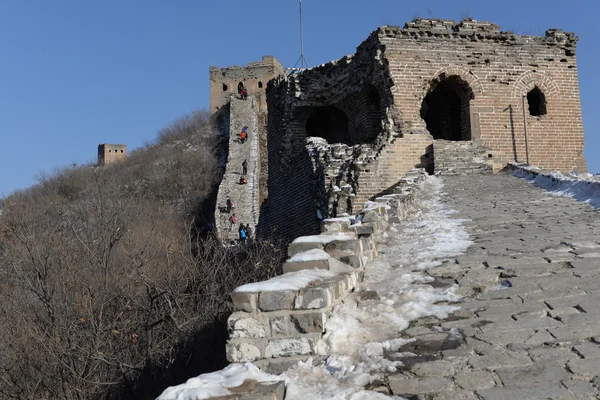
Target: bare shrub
<point>105,290</point>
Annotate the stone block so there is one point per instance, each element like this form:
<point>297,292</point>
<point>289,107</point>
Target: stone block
<point>244,301</point>
<point>242,351</point>
<point>364,229</point>
<point>433,368</point>
<point>354,261</point>
<point>293,266</point>
<point>314,298</point>
<point>299,247</point>
<point>339,248</point>
<point>289,347</point>
<point>243,325</point>
<point>279,300</point>
<point>335,224</point>
<point>401,385</point>
<point>279,326</point>
<point>309,322</point>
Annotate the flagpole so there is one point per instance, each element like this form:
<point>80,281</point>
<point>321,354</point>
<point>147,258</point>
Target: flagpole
<point>302,39</point>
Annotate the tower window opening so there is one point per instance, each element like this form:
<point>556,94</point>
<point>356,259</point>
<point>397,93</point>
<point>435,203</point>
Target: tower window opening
<point>537,102</point>
<point>225,87</point>
<point>260,84</point>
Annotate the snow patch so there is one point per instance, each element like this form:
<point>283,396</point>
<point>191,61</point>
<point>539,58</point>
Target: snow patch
<point>584,187</point>
<point>310,255</point>
<point>325,238</point>
<point>290,281</point>
<point>217,383</point>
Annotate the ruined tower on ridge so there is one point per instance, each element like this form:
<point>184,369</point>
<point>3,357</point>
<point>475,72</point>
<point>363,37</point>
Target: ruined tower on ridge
<point>110,153</point>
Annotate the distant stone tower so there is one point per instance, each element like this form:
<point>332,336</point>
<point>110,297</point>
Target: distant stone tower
<point>110,153</point>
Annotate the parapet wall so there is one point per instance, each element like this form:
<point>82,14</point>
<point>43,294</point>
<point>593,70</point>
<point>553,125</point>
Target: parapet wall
<point>274,324</point>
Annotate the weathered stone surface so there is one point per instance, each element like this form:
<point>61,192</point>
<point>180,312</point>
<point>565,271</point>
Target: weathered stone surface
<point>538,391</point>
<point>314,298</point>
<point>522,376</point>
<point>244,301</point>
<point>279,326</point>
<point>276,300</point>
<point>242,351</point>
<point>433,368</point>
<point>289,347</point>
<point>309,323</point>
<point>474,379</point>
<point>402,385</point>
<point>244,325</point>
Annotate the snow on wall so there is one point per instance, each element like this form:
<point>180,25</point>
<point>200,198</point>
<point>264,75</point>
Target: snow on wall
<point>581,187</point>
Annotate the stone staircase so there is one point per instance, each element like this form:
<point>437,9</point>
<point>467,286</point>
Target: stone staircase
<point>460,158</point>
<point>245,197</point>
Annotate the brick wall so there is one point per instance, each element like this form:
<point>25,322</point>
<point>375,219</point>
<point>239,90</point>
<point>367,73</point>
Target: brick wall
<point>478,79</point>
<point>499,68</point>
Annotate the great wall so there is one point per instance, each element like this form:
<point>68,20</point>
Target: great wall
<point>348,146</point>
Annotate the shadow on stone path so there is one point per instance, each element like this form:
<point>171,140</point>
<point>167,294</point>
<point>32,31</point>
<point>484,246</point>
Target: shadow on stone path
<point>530,322</point>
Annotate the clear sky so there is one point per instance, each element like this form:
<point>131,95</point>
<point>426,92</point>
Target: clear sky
<point>77,73</point>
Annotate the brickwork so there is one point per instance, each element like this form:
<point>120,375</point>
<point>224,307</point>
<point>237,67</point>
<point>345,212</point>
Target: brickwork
<point>224,81</point>
<point>110,153</point>
<point>515,97</point>
<point>499,68</point>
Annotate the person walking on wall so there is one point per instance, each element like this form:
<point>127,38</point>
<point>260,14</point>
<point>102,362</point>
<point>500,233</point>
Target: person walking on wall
<point>243,234</point>
<point>244,168</point>
<point>228,204</point>
<point>243,136</point>
<point>248,231</point>
<point>233,220</point>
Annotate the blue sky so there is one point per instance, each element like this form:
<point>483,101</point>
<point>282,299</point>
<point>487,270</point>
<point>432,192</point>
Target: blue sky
<point>77,73</point>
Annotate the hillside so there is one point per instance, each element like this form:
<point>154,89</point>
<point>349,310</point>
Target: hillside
<point>110,286</point>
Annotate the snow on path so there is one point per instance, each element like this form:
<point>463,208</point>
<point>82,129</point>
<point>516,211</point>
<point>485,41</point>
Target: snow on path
<point>364,341</point>
<point>581,187</point>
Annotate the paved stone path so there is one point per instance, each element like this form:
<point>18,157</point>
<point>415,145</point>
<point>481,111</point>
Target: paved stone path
<point>538,338</point>
<point>244,197</point>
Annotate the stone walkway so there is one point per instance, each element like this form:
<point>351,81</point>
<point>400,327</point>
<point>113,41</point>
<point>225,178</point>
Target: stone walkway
<point>530,324</point>
<point>245,197</point>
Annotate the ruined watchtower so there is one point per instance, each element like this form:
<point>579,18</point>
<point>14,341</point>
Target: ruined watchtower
<point>110,153</point>
<point>254,76</point>
<point>430,94</point>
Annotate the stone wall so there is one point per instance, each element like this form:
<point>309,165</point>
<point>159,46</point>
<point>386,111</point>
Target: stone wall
<point>276,328</point>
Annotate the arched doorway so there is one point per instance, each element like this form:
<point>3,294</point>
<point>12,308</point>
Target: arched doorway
<point>328,123</point>
<point>445,109</point>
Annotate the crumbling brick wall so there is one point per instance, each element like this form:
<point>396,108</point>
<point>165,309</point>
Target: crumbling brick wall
<point>433,79</point>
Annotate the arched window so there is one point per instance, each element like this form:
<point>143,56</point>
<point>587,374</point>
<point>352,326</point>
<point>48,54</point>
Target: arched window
<point>446,110</point>
<point>537,102</point>
<point>260,85</point>
<point>225,87</point>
